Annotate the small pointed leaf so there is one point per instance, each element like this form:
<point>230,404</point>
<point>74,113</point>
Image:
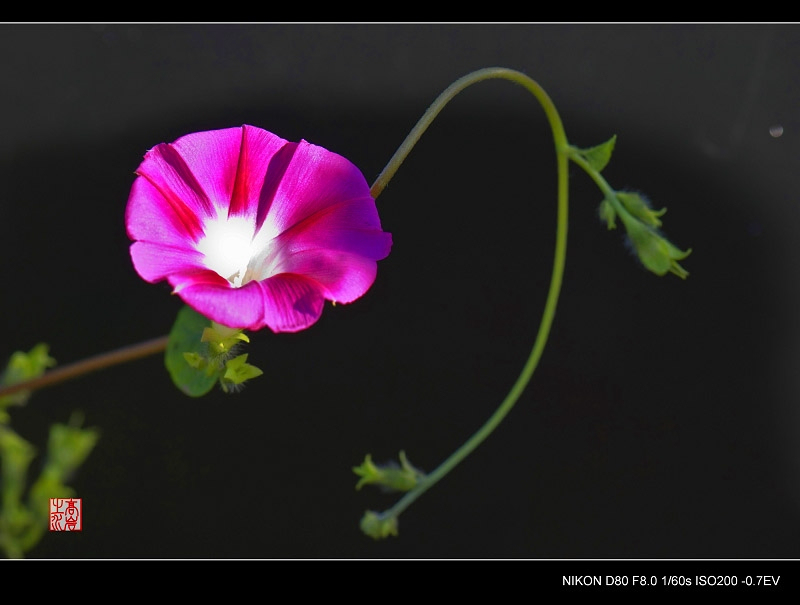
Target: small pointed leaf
<point>599,155</point>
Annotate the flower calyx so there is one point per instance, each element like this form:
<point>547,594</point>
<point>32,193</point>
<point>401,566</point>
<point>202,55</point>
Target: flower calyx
<point>642,224</point>
<point>390,476</point>
<point>198,356</point>
<point>378,526</point>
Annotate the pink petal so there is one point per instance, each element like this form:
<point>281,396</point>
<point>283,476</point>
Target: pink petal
<point>150,217</point>
<point>351,226</point>
<point>169,173</point>
<point>292,302</point>
<point>313,179</point>
<point>335,249</point>
<point>155,262</point>
<point>342,277</point>
<point>213,296</point>
<point>284,303</point>
<point>229,164</point>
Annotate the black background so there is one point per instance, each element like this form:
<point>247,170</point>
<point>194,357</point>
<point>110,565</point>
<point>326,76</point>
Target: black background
<point>663,420</point>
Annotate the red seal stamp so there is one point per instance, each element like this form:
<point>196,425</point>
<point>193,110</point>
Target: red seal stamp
<point>66,514</point>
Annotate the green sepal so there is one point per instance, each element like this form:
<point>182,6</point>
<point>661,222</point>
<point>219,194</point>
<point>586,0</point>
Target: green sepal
<point>598,156</point>
<point>222,339</point>
<point>200,352</point>
<point>237,371</point>
<point>186,351</point>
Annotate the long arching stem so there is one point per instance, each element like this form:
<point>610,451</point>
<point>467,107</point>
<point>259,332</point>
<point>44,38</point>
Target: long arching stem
<point>562,154</point>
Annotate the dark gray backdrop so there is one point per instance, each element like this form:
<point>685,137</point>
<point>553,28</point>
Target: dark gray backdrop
<point>663,420</point>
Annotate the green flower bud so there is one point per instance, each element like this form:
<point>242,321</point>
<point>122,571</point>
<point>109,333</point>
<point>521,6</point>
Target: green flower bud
<point>238,371</point>
<point>607,214</point>
<point>378,527</point>
<point>639,207</point>
<point>198,356</point>
<point>655,251</point>
<point>389,476</point>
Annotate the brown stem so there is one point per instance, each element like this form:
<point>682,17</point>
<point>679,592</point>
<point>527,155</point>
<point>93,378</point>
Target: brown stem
<point>91,364</point>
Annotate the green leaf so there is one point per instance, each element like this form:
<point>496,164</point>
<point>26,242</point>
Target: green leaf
<point>186,338</point>
<point>16,455</point>
<point>598,156</point>
<point>389,476</point>
<point>22,367</point>
<point>68,447</point>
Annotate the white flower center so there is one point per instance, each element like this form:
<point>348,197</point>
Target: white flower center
<point>228,247</point>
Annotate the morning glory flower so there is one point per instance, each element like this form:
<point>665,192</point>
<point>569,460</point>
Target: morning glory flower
<point>252,230</point>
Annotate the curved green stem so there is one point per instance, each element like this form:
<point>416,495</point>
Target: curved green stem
<point>608,191</point>
<point>562,155</point>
